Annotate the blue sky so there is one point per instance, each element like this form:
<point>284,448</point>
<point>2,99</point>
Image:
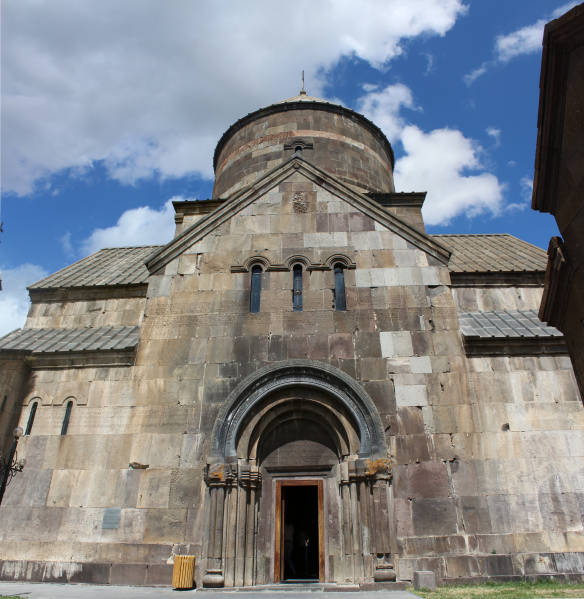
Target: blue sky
<point>110,109</point>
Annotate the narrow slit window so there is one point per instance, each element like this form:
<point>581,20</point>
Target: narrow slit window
<point>31,418</point>
<point>256,287</point>
<point>66,419</point>
<point>297,289</point>
<point>340,300</point>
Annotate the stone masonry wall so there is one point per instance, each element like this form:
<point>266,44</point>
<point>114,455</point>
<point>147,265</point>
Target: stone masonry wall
<point>472,299</point>
<point>71,314</point>
<point>12,376</point>
<point>341,146</point>
<point>486,451</point>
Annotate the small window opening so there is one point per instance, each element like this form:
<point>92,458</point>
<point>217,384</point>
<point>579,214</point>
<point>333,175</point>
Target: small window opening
<point>298,150</point>
<point>297,289</point>
<point>66,419</point>
<point>340,299</point>
<point>31,418</point>
<point>256,287</point>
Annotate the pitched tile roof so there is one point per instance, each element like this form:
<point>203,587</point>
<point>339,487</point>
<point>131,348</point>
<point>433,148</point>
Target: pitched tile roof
<point>66,340</point>
<point>492,253</point>
<point>506,323</point>
<point>110,266</point>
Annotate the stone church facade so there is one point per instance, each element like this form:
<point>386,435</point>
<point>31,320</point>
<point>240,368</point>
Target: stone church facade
<point>303,353</point>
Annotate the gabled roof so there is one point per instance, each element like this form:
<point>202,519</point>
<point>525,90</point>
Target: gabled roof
<point>110,266</point>
<point>492,253</point>
<point>278,174</point>
<point>39,341</point>
<point>506,323</point>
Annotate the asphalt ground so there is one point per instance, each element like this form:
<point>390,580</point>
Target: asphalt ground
<point>87,591</point>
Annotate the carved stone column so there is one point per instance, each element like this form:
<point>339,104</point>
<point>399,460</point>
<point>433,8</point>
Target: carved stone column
<point>218,478</point>
<point>371,479</point>
<point>250,479</point>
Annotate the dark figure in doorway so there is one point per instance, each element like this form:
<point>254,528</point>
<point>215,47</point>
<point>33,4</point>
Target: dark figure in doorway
<point>302,543</point>
<point>289,546</point>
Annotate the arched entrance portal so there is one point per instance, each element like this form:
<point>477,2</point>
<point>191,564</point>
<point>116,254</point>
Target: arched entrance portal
<point>298,442</point>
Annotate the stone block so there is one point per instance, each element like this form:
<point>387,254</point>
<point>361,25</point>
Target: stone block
<point>407,421</point>
<point>424,580</point>
<point>128,574</point>
<point>421,364</point>
<point>411,448</point>
<point>165,451</point>
<point>165,526</point>
<point>427,479</point>
<point>435,516</point>
<point>154,489</point>
<point>410,395</point>
<point>58,572</point>
<point>497,565</point>
<point>127,486</point>
<point>159,575</point>
<point>90,573</point>
<point>382,394</point>
<point>464,478</point>
<point>37,489</point>
<point>462,566</point>
<point>475,515</point>
<point>185,488</point>
<point>396,344</point>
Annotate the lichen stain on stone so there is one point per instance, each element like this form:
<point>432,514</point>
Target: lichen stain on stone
<point>380,466</point>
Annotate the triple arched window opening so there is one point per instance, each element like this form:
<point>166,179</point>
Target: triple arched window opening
<point>32,415</point>
<point>256,287</point>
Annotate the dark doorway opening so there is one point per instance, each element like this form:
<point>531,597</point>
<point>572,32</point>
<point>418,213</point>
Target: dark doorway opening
<point>300,526</point>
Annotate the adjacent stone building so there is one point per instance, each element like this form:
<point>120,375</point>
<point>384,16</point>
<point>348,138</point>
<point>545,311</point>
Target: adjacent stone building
<point>301,353</point>
<point>558,185</point>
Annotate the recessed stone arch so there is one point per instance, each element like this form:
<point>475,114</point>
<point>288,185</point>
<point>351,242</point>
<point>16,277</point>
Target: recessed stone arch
<point>283,406</point>
<point>297,374</point>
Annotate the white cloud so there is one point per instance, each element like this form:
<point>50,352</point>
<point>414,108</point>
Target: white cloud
<point>150,86</point>
<point>443,162</point>
<point>14,300</point>
<point>67,245</point>
<point>383,106</point>
<point>439,162</point>
<point>525,40</point>
<point>430,63</point>
<point>138,226</point>
<point>474,75</point>
<point>526,188</point>
<point>495,134</point>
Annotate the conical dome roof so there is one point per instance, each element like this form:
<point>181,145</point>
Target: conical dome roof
<point>304,97</point>
<point>301,97</point>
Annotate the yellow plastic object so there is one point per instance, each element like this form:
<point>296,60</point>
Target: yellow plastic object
<point>183,573</point>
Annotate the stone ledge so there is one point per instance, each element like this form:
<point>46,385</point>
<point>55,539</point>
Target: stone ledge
<point>151,575</point>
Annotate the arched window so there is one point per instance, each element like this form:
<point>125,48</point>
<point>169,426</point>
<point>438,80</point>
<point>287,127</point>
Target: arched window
<point>256,287</point>
<point>297,289</point>
<point>31,418</point>
<point>66,419</point>
<point>340,300</point>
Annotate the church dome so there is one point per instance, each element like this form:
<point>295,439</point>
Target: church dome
<point>336,139</point>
